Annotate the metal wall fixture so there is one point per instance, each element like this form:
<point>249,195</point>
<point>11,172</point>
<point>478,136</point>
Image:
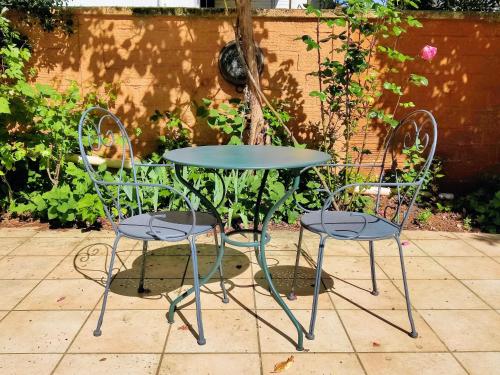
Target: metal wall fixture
<point>232,67</point>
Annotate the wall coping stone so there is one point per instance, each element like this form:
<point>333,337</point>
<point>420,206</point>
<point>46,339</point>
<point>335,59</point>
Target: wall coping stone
<point>265,13</point>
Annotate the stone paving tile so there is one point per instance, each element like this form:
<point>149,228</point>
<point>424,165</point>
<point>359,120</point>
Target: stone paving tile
<point>24,232</point>
<point>123,331</point>
<point>123,294</point>
<point>130,364</point>
<point>157,248</point>
<point>304,292</point>
<point>172,267</point>
<point>13,291</point>
<point>449,312</point>
<point>416,268</point>
<point>39,331</point>
<point>480,363</point>
<point>289,242</point>
<point>447,248</point>
<point>101,233</point>
<point>235,267</point>
<point>275,327</point>
<point>314,363</point>
<point>488,290</point>
<point>240,294</point>
<point>104,246</point>
<point>489,244</point>
<point>233,331</point>
<point>62,233</point>
<point>47,246</point>
<point>87,267</point>
<point>410,364</point>
<point>351,267</point>
<point>466,330</point>
<point>477,268</point>
<point>442,294</point>
<point>27,267</point>
<point>283,266</point>
<point>221,364</point>
<point>428,235</point>
<point>354,294</point>
<point>78,294</point>
<point>338,248</point>
<point>8,244</point>
<point>372,334</point>
<point>389,248</point>
<point>28,364</point>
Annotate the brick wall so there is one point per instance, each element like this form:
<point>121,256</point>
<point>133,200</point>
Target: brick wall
<point>166,62</point>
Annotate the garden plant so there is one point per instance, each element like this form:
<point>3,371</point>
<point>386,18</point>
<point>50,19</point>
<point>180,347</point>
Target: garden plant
<point>358,63</point>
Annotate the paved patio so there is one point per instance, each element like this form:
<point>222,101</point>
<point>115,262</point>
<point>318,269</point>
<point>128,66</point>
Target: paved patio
<point>51,287</point>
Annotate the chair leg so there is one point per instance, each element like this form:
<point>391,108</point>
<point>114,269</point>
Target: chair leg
<point>291,296</point>
<point>196,278</point>
<point>225,298</point>
<point>317,287</point>
<point>372,267</point>
<point>141,289</point>
<point>413,332</point>
<point>97,331</point>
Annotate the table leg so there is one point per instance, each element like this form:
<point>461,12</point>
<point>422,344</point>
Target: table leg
<point>265,268</point>
<point>220,252</point>
<point>256,217</point>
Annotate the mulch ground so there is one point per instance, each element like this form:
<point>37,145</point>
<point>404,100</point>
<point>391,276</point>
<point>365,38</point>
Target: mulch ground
<point>441,221</point>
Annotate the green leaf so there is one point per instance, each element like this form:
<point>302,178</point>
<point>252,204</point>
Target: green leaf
<point>418,80</point>
<point>412,22</point>
<point>26,89</point>
<point>310,42</point>
<point>407,104</point>
<point>318,94</point>
<point>4,105</point>
<point>397,31</point>
<point>310,9</point>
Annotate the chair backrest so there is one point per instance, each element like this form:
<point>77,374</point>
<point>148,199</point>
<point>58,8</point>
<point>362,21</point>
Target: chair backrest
<point>415,137</point>
<point>99,129</point>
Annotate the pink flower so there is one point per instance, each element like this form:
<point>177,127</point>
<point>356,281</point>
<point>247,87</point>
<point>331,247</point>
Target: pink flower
<point>428,52</point>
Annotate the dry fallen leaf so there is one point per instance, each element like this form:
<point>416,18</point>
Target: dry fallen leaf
<point>183,328</point>
<point>283,366</point>
<point>376,343</point>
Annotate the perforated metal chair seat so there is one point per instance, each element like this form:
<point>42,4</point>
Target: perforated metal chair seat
<point>171,224</point>
<point>345,225</point>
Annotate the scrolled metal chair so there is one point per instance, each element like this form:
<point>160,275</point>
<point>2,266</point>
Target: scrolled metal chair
<point>98,128</point>
<point>417,132</point>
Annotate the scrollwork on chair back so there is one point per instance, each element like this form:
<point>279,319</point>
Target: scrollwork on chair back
<point>409,152</point>
<point>98,130</point>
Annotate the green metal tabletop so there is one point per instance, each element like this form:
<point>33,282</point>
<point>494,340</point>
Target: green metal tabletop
<point>239,157</point>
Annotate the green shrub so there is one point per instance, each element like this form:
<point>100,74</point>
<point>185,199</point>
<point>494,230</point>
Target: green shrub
<point>483,205</point>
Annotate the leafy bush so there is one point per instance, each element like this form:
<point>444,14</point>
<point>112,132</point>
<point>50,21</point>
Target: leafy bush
<point>50,14</point>
<point>38,133</point>
<point>483,205</point>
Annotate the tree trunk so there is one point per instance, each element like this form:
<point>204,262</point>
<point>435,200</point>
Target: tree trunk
<point>256,133</point>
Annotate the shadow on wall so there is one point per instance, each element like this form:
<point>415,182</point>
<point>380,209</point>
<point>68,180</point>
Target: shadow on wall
<point>159,63</point>
<point>463,93</point>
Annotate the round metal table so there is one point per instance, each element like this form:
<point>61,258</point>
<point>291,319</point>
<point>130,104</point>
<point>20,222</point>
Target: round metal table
<point>242,157</point>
